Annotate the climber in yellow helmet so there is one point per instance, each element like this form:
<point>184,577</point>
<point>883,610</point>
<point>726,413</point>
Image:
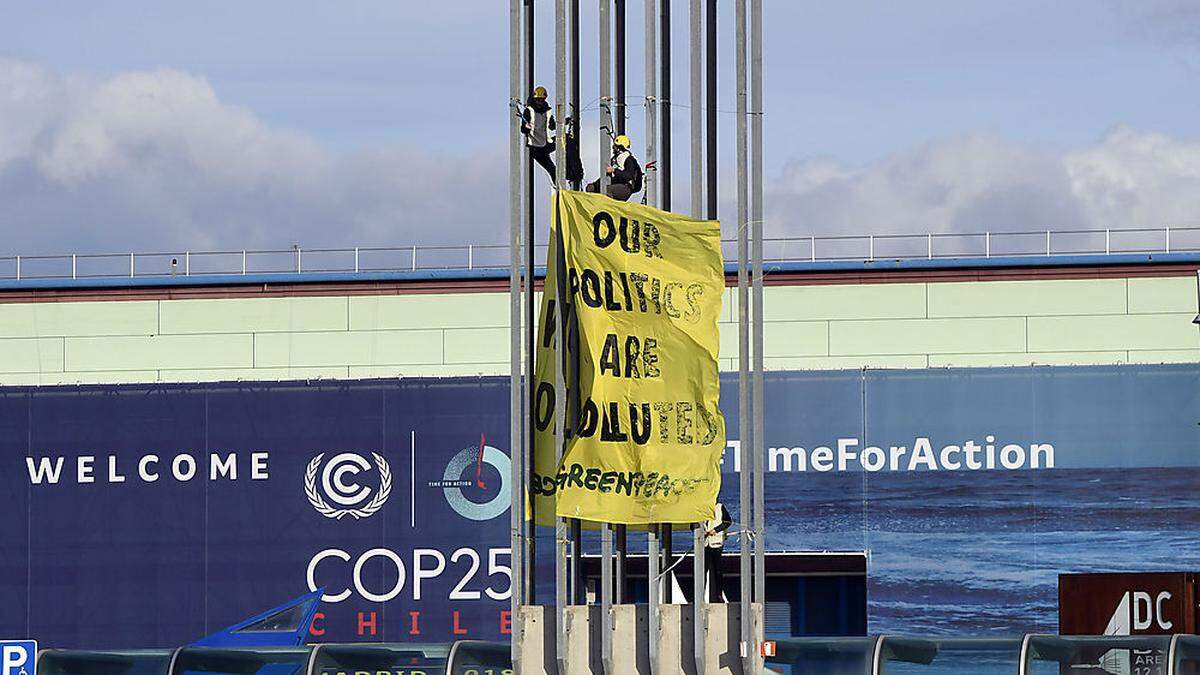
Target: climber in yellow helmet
<point>538,125</point>
<point>624,172</point>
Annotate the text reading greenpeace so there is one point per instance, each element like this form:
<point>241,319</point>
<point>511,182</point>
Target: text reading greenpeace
<point>922,454</point>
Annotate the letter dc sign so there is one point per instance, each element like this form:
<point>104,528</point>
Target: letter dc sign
<point>1147,603</point>
<point>18,657</point>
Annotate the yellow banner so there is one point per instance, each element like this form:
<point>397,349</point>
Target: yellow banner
<point>646,287</point>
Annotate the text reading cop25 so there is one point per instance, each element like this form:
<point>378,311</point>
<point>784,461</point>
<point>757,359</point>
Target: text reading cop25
<point>426,564</point>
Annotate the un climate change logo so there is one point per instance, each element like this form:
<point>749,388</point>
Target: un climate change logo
<point>337,483</point>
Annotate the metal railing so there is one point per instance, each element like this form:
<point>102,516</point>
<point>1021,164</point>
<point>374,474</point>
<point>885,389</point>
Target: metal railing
<point>813,248</point>
<point>877,655</point>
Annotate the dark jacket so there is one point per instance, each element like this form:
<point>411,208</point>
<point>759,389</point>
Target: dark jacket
<point>626,170</point>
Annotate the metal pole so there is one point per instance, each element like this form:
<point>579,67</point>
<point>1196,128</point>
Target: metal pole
<point>619,26</point>
<point>562,341</point>
<point>664,100</point>
<point>653,594</point>
<point>606,120</point>
<point>621,48</point>
<point>757,453</point>
<point>668,558</point>
<point>578,596</point>
<point>575,113</point>
<point>700,616</point>
<point>745,428</point>
<point>621,595</point>
<point>710,93</point>
<point>530,299</point>
<point>560,386</point>
<point>651,131</point>
<point>560,102</point>
<point>696,158</point>
<point>517,503</point>
<point>606,596</point>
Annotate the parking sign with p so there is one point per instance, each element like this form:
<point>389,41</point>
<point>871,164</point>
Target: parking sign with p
<point>18,657</point>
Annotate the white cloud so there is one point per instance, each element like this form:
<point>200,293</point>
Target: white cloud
<point>1137,179</point>
<point>1128,179</point>
<point>155,161</point>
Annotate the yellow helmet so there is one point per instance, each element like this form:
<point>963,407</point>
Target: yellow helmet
<point>539,92</point>
<point>622,141</point>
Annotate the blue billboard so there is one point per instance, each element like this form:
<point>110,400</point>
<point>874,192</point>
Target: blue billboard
<point>972,489</point>
<point>151,515</point>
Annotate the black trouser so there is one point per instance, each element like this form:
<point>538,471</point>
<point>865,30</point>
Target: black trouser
<point>712,563</point>
<point>619,191</point>
<point>543,156</point>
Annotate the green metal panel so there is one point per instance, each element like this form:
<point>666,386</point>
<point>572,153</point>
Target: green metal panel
<point>834,326</point>
<point>31,355</point>
<point>844,301</point>
<point>252,315</point>
<point>1027,298</point>
<point>365,348</point>
<point>783,338</point>
<point>1165,356</point>
<point>729,305</point>
<point>844,362</point>
<point>926,336</point>
<point>1133,331</point>
<point>23,380</point>
<point>434,310</point>
<point>161,351</point>
<point>1163,294</point>
<point>475,345</point>
<point>52,319</point>
<point>1028,359</point>
<point>93,377</point>
<point>792,338</point>
<point>248,374</point>
<point>436,370</point>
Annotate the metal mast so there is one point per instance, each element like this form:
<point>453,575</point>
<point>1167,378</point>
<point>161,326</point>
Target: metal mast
<point>745,403</point>
<point>516,437</point>
<point>756,234</point>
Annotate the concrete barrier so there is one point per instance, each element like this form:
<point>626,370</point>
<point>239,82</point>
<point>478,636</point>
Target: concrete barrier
<point>631,640</point>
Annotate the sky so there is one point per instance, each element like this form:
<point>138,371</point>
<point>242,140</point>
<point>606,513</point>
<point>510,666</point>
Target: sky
<point>151,126</point>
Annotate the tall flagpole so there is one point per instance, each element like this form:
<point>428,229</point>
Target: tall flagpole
<point>515,438</point>
<point>756,234</point>
<point>745,402</point>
